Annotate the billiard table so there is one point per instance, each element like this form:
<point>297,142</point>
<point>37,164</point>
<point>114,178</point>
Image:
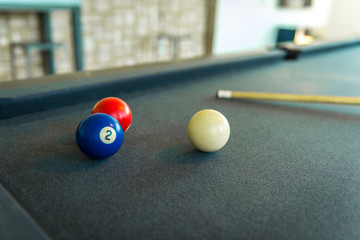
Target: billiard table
<point>289,170</point>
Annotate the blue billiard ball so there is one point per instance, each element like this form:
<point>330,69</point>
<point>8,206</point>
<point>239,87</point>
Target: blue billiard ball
<point>99,135</point>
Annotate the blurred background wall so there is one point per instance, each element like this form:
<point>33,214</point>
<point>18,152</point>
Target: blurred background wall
<point>257,22</point>
<point>344,19</point>
<point>115,33</point>
<point>243,25</point>
<point>120,33</point>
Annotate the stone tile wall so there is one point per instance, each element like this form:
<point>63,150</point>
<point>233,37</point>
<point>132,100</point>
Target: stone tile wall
<point>18,27</point>
<point>116,33</point>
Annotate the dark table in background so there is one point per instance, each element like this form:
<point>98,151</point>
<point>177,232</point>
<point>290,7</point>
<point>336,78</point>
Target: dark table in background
<point>289,170</point>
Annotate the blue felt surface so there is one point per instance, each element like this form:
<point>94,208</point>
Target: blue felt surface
<point>289,170</point>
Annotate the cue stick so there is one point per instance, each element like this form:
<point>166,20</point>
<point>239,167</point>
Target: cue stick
<point>287,97</point>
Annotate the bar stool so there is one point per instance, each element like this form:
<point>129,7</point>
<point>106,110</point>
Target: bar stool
<point>27,48</point>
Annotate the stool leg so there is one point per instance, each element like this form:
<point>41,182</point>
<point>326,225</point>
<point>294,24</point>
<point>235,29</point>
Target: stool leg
<point>13,64</point>
<point>28,63</point>
<point>77,39</point>
<point>47,35</point>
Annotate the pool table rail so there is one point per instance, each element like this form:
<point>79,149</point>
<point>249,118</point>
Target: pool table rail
<point>51,92</point>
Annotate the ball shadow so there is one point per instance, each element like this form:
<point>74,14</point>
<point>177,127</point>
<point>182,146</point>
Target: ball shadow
<point>68,158</point>
<point>184,154</point>
<point>67,162</point>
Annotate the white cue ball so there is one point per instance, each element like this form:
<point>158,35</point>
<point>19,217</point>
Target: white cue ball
<point>208,130</point>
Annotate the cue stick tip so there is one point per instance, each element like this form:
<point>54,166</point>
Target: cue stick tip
<point>223,94</point>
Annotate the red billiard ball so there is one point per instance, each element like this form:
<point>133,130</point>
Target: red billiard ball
<point>117,108</point>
